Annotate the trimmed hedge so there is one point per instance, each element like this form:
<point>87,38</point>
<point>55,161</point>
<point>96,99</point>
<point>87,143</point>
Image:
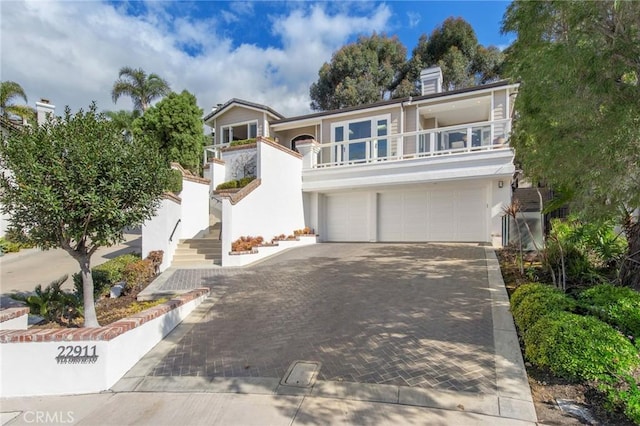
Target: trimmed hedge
<point>243,142</point>
<point>531,302</point>
<point>617,306</point>
<point>579,348</point>
<point>237,183</point>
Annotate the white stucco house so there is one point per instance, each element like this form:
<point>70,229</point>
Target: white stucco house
<point>434,168</point>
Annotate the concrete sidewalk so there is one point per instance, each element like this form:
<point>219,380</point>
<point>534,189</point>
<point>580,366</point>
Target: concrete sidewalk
<point>141,408</point>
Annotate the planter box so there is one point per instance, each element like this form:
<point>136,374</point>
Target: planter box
<point>266,250</point>
<point>86,360</point>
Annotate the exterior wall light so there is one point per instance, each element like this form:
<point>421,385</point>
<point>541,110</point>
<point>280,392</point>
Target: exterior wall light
<point>500,184</point>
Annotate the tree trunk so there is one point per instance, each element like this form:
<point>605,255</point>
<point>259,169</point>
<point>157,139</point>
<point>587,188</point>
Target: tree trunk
<point>630,269</point>
<point>90,318</point>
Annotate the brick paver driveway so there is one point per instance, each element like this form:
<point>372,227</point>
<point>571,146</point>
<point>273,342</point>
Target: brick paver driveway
<point>401,314</point>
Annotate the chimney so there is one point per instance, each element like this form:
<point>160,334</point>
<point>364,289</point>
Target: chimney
<point>431,79</point>
<point>44,110</point>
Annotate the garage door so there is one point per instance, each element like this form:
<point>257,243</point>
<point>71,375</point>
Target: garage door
<point>432,215</point>
<point>347,217</point>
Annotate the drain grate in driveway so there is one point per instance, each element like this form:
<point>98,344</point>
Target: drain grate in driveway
<point>301,374</point>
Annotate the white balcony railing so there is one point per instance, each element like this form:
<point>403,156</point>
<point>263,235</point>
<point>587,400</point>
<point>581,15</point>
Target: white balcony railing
<point>482,136</point>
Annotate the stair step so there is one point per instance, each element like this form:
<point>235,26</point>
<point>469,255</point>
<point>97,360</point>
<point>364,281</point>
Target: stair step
<point>203,250</point>
<point>201,241</point>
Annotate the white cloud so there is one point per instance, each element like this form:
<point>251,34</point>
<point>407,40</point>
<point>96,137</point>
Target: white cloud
<point>70,52</point>
<point>414,19</point>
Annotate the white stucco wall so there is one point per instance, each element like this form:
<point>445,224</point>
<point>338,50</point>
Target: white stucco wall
<point>156,231</point>
<point>195,208</point>
<point>217,174</point>
<point>31,369</point>
<point>235,160</point>
<point>273,208</point>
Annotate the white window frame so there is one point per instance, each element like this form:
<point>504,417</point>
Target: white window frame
<point>344,155</point>
<point>231,126</point>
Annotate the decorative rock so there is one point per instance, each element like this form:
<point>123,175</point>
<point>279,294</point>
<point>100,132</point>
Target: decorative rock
<point>117,290</point>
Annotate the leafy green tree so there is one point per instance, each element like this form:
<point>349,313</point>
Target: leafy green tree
<point>369,70</point>
<point>9,91</point>
<point>454,47</point>
<point>578,125</point>
<point>75,183</point>
<point>140,87</point>
<point>174,125</point>
<point>123,120</point>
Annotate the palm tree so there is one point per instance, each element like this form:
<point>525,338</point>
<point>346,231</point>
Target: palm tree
<point>10,90</point>
<point>142,88</point>
<point>123,120</point>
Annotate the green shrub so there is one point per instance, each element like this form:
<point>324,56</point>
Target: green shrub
<point>617,306</point>
<point>525,289</point>
<point>579,348</point>
<point>536,304</point>
<point>243,142</point>
<point>245,181</point>
<point>227,185</point>
<point>624,395</point>
<point>52,303</point>
<point>105,275</point>
<point>13,241</point>
<point>238,183</point>
<point>174,183</point>
<point>591,250</point>
<point>9,246</point>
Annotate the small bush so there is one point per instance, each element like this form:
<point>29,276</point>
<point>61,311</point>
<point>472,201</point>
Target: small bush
<point>246,243</point>
<point>305,231</point>
<point>245,181</point>
<point>227,185</point>
<point>174,183</point>
<point>243,142</point>
<point>52,303</point>
<point>238,183</point>
<point>156,257</point>
<point>625,396</point>
<point>138,273</point>
<point>617,306</point>
<point>105,275</point>
<point>579,348</point>
<point>14,240</point>
<point>526,289</point>
<point>536,304</point>
<point>9,246</point>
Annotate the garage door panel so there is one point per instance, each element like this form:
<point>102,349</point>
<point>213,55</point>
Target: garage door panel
<point>432,215</point>
<point>347,218</point>
<point>441,226</point>
<point>390,214</point>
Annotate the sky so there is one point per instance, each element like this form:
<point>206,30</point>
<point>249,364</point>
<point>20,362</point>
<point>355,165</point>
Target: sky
<point>267,52</point>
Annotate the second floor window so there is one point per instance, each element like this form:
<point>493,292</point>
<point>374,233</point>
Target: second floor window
<point>238,132</point>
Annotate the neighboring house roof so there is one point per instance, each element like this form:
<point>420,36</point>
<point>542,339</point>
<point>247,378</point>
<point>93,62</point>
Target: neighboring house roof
<point>501,83</point>
<point>240,102</point>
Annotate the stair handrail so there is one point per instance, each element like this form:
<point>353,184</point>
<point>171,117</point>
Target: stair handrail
<point>174,229</point>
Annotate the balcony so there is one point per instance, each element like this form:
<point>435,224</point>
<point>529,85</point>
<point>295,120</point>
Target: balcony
<point>473,151</point>
<point>443,141</point>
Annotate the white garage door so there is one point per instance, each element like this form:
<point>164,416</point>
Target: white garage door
<point>347,217</point>
<point>432,215</point>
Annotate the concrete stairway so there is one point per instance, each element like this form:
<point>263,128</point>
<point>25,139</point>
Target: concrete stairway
<point>200,252</point>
